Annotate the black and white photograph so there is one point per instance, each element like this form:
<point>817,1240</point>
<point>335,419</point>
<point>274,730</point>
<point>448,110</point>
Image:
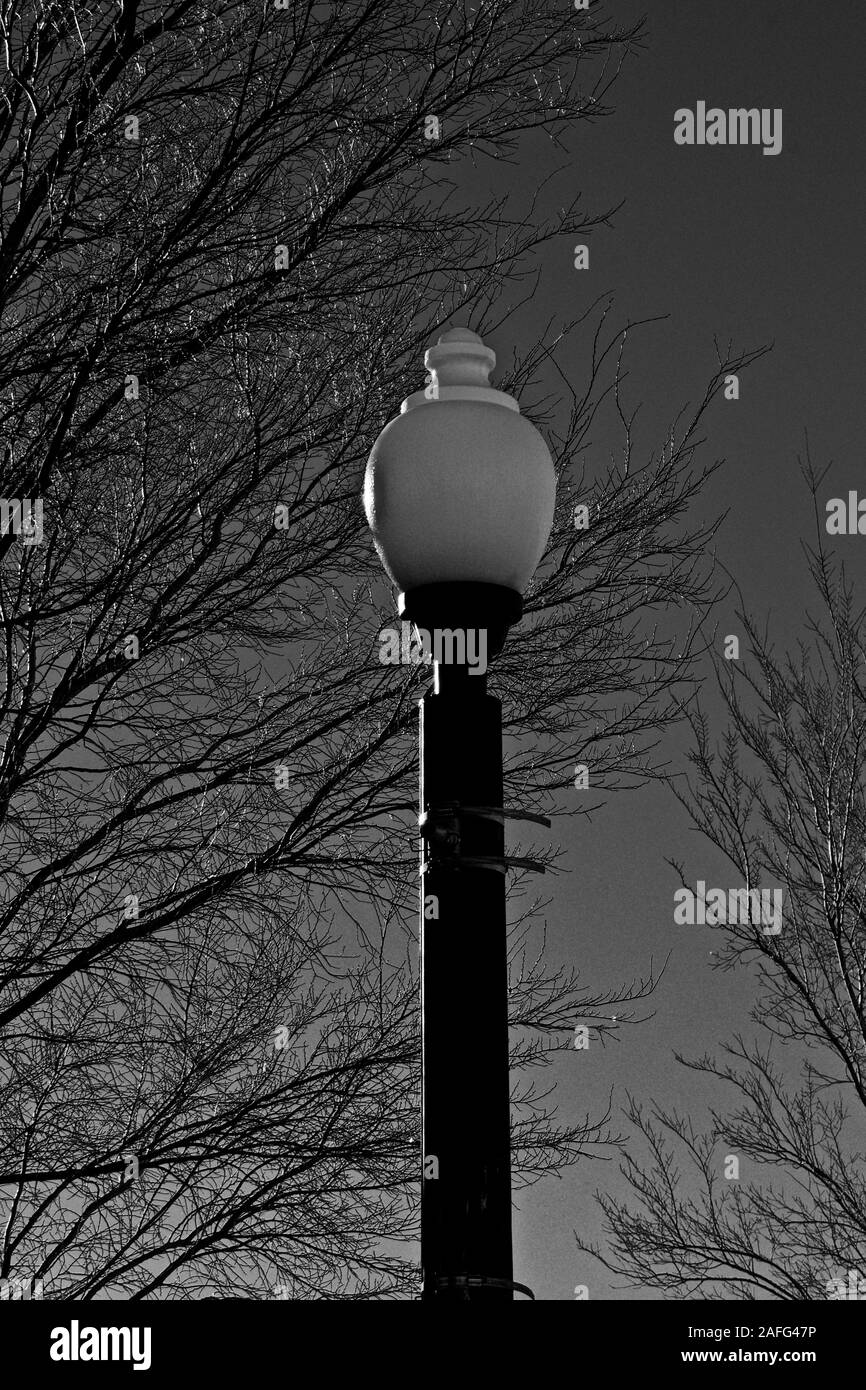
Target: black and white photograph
<point>432,681</point>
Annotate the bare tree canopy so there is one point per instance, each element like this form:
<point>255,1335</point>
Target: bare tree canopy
<point>783,797</point>
<point>226,240</point>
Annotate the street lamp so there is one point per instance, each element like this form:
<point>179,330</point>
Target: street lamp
<point>459,494</point>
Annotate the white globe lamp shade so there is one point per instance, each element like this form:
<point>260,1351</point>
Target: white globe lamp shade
<point>460,488</point>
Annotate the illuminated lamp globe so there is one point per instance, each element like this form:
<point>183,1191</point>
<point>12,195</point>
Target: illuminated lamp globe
<point>460,492</point>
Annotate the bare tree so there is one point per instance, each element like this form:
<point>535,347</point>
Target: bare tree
<point>783,796</point>
<point>226,239</point>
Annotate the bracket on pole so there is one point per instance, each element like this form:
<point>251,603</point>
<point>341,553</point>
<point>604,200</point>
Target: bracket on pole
<point>465,1281</point>
<point>441,827</point>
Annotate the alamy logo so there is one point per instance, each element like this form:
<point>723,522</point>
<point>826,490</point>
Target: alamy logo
<point>737,126</point>
<point>847,520</point>
<point>855,1289</point>
<point>20,1288</point>
<point>22,516</point>
<point>745,907</point>
<point>449,646</point>
<point>76,1343</point>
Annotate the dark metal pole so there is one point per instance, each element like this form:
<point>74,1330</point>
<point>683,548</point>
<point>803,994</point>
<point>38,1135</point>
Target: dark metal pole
<point>466,1193</point>
<point>466,1183</point>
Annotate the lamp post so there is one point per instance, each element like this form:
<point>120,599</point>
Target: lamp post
<point>459,495</point>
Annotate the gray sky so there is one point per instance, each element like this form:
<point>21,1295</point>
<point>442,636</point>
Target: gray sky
<point>736,245</point>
